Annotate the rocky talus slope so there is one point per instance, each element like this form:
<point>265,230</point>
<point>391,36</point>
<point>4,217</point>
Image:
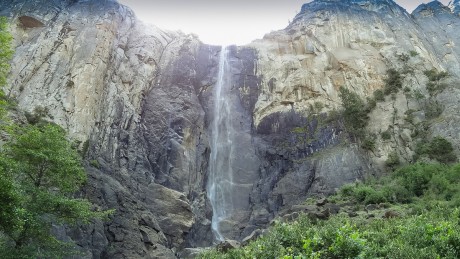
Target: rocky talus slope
<point>139,100</point>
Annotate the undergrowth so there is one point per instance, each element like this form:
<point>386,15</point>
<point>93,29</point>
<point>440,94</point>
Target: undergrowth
<point>429,195</point>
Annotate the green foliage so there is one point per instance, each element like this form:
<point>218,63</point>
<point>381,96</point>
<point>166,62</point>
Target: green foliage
<point>435,234</point>
<point>429,182</point>
<point>37,115</point>
<point>318,106</point>
<point>416,178</point>
<point>85,148</point>
<point>41,174</point>
<point>386,135</point>
<point>413,53</point>
<point>418,95</point>
<point>410,116</point>
<point>6,54</point>
<point>433,109</point>
<point>433,75</point>
<point>379,95</point>
<point>6,51</point>
<point>363,193</point>
<point>393,160</point>
<point>371,104</point>
<point>404,57</point>
<point>332,116</point>
<point>94,163</point>
<point>393,82</point>
<point>368,144</point>
<point>431,228</point>
<point>435,78</point>
<point>46,158</point>
<point>438,149</point>
<point>355,114</point>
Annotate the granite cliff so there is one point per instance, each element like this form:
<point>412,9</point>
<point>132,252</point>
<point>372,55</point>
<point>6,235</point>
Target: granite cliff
<point>140,102</point>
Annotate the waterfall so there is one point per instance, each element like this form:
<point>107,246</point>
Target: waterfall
<point>233,163</point>
<point>220,168</point>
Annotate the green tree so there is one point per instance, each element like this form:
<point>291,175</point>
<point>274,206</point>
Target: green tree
<point>355,112</point>
<point>42,172</point>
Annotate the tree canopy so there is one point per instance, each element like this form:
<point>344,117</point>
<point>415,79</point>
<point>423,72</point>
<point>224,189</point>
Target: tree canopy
<point>355,112</point>
<point>40,174</point>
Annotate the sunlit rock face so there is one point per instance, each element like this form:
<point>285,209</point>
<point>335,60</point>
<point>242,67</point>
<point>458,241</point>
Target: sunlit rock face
<point>455,7</point>
<point>128,93</point>
<point>141,102</point>
<point>333,44</point>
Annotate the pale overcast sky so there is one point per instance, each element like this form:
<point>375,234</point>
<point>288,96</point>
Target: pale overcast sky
<point>226,22</point>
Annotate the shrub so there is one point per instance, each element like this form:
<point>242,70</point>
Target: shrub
<point>375,197</point>
<point>37,115</point>
<point>354,114</point>
<point>395,192</point>
<point>404,57</point>
<point>431,181</point>
<point>94,163</point>
<point>347,190</point>
<point>433,109</point>
<point>386,135</point>
<point>433,75</point>
<point>434,234</point>
<point>379,95</point>
<point>361,192</point>
<point>393,160</point>
<point>393,82</point>
<point>415,178</point>
<point>435,85</point>
<point>438,149</point>
<point>418,95</point>
<point>318,106</point>
<point>368,144</point>
<point>6,51</point>
<point>85,148</point>
<point>371,104</point>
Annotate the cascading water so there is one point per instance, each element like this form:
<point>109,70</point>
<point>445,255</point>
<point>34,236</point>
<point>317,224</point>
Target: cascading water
<point>233,163</point>
<point>220,168</point>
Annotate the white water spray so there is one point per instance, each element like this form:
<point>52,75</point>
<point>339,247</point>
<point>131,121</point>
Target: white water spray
<point>220,180</point>
<point>233,163</point>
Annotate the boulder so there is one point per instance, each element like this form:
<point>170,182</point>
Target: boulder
<point>227,245</point>
<point>253,236</point>
<point>322,202</point>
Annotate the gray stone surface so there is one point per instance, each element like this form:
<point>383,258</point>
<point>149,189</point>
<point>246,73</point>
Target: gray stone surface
<point>129,92</point>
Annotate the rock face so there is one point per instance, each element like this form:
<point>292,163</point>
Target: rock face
<point>455,6</point>
<point>140,101</point>
<point>331,44</point>
<point>130,94</point>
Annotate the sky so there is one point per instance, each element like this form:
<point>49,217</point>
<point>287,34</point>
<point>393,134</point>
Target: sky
<point>226,22</point>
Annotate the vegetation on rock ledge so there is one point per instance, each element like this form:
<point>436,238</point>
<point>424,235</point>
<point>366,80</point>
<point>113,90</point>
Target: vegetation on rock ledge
<point>423,222</point>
